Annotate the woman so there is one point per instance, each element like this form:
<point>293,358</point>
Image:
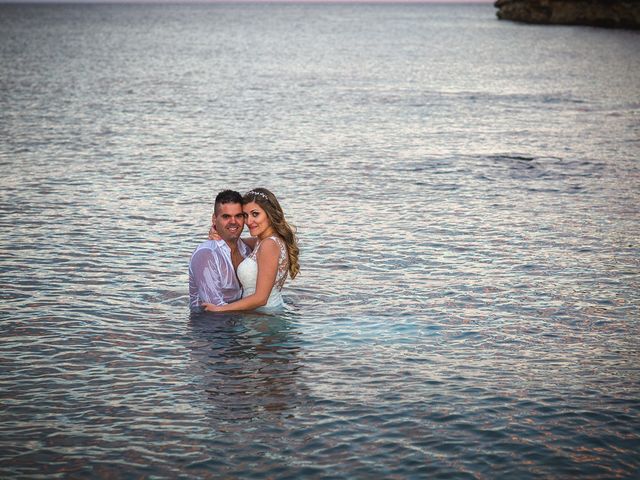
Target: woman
<point>263,273</point>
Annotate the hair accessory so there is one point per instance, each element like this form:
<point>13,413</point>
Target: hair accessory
<point>259,194</point>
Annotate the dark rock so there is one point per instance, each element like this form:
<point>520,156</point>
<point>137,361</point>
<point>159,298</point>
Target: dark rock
<point>598,13</point>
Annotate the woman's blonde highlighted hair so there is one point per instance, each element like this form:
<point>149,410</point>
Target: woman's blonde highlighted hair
<point>287,232</point>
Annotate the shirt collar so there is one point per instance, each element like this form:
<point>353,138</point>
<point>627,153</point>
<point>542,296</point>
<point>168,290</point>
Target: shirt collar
<point>244,249</point>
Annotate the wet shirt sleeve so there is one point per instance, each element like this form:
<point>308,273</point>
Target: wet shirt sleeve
<point>209,278</point>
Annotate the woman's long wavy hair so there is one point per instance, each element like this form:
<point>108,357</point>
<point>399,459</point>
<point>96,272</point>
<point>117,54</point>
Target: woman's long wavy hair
<point>272,208</point>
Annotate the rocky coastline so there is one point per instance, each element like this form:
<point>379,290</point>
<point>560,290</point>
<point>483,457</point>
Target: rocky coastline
<point>597,13</point>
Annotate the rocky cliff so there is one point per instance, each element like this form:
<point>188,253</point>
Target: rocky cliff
<point>600,13</point>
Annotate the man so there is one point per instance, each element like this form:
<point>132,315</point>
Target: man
<point>212,269</point>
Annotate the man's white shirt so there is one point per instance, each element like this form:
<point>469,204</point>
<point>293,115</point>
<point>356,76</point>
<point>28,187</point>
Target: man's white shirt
<point>212,278</point>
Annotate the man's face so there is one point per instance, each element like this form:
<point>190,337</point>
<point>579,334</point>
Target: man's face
<point>229,221</point>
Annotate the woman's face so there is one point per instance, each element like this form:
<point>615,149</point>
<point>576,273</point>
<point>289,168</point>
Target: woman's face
<point>256,219</point>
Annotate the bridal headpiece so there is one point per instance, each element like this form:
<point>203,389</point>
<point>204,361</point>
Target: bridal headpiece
<point>257,194</point>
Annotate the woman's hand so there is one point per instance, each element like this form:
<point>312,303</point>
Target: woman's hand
<point>210,307</point>
<point>213,233</point>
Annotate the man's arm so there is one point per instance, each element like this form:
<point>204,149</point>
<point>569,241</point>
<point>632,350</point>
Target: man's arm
<point>208,273</point>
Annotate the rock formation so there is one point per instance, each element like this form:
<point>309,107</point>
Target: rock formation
<point>598,13</point>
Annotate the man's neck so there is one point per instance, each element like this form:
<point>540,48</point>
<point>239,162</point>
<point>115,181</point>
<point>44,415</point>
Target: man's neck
<point>236,255</point>
<point>233,245</point>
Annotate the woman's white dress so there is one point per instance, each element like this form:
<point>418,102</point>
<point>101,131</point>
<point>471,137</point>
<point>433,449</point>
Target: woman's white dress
<point>248,275</point>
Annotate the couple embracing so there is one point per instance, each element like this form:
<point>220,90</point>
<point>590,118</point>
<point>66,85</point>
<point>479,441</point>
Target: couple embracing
<point>228,273</point>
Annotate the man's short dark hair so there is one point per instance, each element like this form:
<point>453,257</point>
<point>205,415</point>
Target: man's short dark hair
<point>226,196</point>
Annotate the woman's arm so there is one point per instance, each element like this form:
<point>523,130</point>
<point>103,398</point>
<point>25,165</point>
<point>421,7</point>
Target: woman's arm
<point>267,258</point>
<point>249,241</point>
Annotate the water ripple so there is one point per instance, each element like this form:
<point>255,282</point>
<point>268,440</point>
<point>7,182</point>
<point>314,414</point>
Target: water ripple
<point>468,219</point>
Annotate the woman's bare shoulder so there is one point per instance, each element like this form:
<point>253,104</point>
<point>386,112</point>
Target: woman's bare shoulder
<point>269,246</point>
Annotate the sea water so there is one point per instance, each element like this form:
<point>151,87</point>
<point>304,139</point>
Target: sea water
<point>466,193</point>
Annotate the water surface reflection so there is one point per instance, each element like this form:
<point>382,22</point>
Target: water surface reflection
<point>246,365</point>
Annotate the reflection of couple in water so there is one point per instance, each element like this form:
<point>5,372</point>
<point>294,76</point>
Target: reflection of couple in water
<point>227,273</point>
<point>248,368</point>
